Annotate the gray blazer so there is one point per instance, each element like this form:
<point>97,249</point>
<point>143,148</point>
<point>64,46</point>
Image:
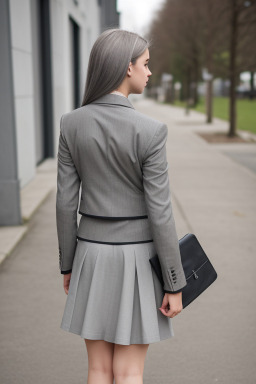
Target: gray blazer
<point>118,157</point>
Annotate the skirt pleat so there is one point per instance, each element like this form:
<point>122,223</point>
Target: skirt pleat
<point>114,295</point>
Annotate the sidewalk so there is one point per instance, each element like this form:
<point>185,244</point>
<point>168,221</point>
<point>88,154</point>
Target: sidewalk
<point>214,197</point>
<point>32,196</point>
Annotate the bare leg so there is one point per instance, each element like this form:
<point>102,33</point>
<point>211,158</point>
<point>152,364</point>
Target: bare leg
<point>100,359</point>
<point>128,363</point>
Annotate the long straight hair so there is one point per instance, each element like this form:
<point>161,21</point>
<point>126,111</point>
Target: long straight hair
<point>109,60</point>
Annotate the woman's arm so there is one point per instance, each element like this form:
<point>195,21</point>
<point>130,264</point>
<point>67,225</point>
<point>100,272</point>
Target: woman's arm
<point>158,202</point>
<point>67,198</point>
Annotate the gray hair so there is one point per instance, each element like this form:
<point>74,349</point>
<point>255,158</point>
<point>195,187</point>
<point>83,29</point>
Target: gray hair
<point>109,59</point>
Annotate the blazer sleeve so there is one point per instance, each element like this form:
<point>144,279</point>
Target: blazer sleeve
<point>159,208</point>
<point>67,198</point>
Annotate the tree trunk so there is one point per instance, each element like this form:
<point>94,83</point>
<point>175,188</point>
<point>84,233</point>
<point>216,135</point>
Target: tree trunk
<point>196,80</point>
<point>252,89</point>
<point>208,101</point>
<point>232,69</point>
<point>209,62</point>
<point>187,94</point>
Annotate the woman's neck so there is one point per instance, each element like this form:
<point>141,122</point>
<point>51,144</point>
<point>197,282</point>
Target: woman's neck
<point>118,93</point>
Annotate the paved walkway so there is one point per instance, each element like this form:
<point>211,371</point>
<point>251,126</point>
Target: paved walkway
<point>214,197</point>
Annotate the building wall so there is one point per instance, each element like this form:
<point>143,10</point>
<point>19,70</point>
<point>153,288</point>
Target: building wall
<point>27,92</point>
<point>42,38</point>
<point>109,15</point>
<point>87,15</point>
<point>21,49</point>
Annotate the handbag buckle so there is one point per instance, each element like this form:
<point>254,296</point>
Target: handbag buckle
<point>195,275</point>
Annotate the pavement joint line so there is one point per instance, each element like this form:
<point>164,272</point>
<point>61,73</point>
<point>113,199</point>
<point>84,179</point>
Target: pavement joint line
<point>25,217</point>
<point>222,150</point>
<point>14,243</point>
<point>243,167</point>
<point>182,212</point>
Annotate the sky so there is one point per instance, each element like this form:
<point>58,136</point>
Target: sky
<point>135,15</point>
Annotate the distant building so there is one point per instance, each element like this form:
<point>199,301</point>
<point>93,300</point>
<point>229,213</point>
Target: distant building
<point>45,47</point>
<point>109,15</point>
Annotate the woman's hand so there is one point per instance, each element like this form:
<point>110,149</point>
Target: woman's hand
<point>172,304</point>
<point>66,281</point>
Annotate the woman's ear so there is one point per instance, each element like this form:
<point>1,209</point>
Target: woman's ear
<point>129,70</point>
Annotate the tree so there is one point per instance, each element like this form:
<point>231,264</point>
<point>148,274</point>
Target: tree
<point>219,35</point>
<point>242,19</point>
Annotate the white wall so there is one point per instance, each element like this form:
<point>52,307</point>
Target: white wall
<point>23,88</point>
<point>87,16</point>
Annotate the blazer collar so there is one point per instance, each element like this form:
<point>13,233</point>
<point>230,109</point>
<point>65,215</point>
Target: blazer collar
<point>114,99</point>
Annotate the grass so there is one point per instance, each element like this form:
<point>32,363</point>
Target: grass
<point>246,111</point>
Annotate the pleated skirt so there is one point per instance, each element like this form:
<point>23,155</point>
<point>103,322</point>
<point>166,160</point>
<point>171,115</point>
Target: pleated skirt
<point>114,295</point>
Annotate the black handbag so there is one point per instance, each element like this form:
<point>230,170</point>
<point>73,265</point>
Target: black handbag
<point>198,269</point>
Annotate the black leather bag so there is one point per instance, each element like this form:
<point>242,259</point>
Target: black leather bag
<point>198,269</point>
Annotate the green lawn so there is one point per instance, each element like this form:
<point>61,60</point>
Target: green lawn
<point>246,111</point>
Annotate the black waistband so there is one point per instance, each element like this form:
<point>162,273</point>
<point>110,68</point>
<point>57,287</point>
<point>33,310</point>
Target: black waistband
<point>114,217</point>
<point>115,243</point>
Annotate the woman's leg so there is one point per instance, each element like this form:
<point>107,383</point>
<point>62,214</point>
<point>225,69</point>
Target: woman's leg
<point>128,363</point>
<point>100,359</point>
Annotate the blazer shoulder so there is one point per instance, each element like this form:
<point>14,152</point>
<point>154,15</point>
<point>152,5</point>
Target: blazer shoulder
<point>70,119</point>
<point>153,132</point>
<point>141,119</point>
<point>75,113</point>
<point>148,121</point>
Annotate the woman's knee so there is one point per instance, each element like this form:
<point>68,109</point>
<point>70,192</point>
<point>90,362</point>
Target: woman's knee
<point>128,360</point>
<point>100,355</point>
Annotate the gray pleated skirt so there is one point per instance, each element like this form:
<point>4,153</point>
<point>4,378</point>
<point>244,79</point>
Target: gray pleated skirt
<point>114,295</point>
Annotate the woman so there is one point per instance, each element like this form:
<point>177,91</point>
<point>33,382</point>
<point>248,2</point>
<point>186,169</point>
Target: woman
<point>118,157</point>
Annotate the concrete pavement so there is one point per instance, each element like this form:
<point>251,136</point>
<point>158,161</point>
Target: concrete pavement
<point>214,197</point>
<point>31,197</point>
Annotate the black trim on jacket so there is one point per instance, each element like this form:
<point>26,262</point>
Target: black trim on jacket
<point>114,243</point>
<point>66,272</point>
<point>114,217</point>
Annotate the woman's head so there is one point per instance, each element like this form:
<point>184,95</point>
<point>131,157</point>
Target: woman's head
<point>115,55</point>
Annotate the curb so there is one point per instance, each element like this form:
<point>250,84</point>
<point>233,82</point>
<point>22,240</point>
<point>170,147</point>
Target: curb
<point>32,197</point>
